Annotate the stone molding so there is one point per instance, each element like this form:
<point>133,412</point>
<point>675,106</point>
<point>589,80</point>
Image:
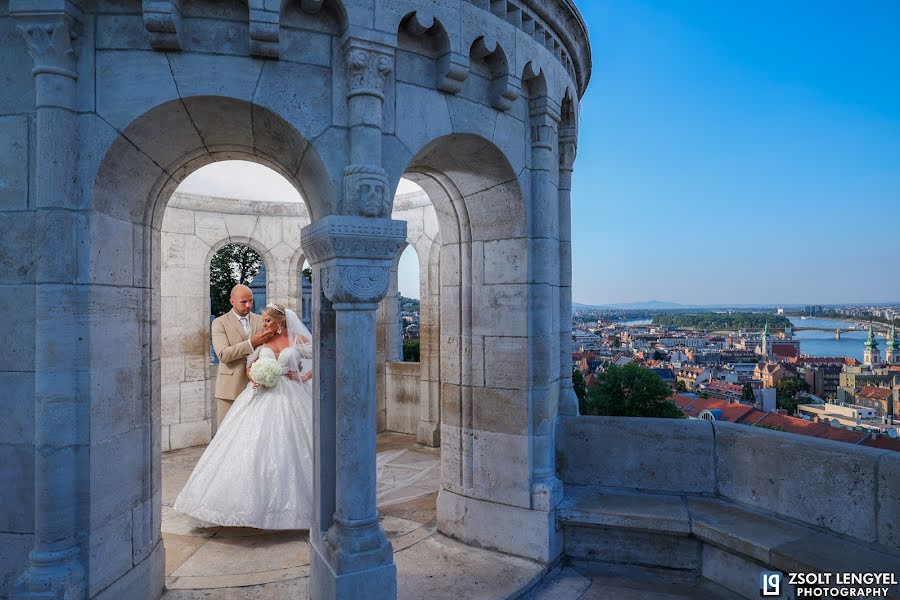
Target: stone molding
<point>162,20</point>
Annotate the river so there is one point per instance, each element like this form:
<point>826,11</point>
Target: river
<point>822,343</point>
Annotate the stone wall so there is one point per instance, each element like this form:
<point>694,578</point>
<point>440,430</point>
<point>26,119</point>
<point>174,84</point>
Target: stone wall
<point>402,393</point>
<point>850,490</point>
<point>194,227</point>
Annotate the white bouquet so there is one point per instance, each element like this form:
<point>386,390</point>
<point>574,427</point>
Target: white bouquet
<point>266,372</point>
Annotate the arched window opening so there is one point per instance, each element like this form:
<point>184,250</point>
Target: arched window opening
<point>408,284</point>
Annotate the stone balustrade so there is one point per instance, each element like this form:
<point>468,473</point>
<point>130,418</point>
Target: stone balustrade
<point>723,500</point>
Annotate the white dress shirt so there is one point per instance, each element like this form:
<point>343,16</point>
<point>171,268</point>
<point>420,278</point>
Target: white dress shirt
<point>245,323</point>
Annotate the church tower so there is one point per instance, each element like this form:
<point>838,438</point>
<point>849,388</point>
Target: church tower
<point>764,344</point>
<point>871,356</point>
<point>892,352</point>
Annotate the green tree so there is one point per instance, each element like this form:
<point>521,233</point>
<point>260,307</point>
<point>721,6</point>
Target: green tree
<point>630,391</point>
<point>411,350</point>
<point>681,387</point>
<point>578,385</point>
<point>747,393</point>
<point>307,274</point>
<point>233,264</point>
<point>786,392</point>
<point>658,355</point>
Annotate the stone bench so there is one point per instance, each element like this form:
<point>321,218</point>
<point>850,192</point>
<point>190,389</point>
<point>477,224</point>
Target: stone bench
<point>717,539</point>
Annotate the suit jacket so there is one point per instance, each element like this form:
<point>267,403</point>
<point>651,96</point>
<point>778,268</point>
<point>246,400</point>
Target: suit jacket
<point>232,346</point>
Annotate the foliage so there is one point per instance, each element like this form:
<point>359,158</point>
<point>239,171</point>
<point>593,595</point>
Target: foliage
<point>711,320</point>
<point>409,304</point>
<point>747,393</point>
<point>233,264</point>
<point>772,427</point>
<point>786,391</point>
<point>411,350</point>
<point>578,385</point>
<point>681,387</point>
<point>659,355</point>
<point>307,274</point>
<point>630,391</point>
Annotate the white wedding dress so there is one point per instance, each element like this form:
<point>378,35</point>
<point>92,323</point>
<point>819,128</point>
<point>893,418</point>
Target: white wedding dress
<point>257,471</point>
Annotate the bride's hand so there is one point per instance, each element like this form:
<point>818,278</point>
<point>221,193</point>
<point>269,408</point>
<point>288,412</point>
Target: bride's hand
<point>307,377</point>
<point>291,374</point>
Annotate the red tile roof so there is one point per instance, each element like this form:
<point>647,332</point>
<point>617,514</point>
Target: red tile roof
<point>870,391</point>
<point>883,442</point>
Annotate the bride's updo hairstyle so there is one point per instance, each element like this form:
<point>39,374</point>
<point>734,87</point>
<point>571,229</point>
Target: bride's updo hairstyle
<point>277,313</point>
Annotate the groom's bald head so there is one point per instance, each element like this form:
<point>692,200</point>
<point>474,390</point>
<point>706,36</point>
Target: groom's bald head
<point>241,299</point>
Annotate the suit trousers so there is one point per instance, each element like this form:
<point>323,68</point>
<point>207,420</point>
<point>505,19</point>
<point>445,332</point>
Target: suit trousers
<point>222,408</point>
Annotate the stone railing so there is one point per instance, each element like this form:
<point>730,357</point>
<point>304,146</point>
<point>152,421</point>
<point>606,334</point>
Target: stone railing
<point>848,489</point>
<point>725,500</point>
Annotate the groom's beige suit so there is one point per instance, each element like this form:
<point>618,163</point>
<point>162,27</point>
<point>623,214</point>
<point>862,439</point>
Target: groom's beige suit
<point>232,345</point>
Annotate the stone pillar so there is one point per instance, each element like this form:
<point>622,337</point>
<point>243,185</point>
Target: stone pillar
<point>365,181</point>
<point>544,301</point>
<point>55,567</point>
<point>568,145</point>
<point>351,556</point>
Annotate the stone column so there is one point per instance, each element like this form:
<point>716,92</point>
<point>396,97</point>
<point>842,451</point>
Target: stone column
<point>568,146</point>
<point>353,257</point>
<point>365,182</point>
<point>55,568</point>
<point>543,325</point>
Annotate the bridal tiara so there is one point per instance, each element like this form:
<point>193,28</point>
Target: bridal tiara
<point>275,307</point>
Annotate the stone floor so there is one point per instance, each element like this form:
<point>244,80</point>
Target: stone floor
<point>229,563</point>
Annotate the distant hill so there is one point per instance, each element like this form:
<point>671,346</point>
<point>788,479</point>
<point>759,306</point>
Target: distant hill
<point>648,305</point>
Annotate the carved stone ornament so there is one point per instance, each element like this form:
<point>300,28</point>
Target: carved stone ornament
<point>355,283</point>
<point>568,148</point>
<point>365,191</point>
<point>49,43</point>
<point>162,20</point>
<point>337,237</point>
<point>368,71</point>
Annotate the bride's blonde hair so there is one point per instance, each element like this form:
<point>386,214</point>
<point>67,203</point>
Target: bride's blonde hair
<point>277,313</point>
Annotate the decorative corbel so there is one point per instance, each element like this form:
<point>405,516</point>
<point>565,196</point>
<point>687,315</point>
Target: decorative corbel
<point>265,29</point>
<point>452,70</point>
<point>162,20</point>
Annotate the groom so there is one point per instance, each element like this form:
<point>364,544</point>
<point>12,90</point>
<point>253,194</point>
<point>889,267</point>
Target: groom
<point>234,336</point>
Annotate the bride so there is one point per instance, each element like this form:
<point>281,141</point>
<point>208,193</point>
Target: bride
<point>257,471</point>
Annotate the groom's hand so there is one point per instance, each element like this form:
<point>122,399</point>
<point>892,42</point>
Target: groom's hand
<point>258,339</point>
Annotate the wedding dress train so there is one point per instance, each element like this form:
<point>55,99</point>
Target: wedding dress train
<point>257,471</point>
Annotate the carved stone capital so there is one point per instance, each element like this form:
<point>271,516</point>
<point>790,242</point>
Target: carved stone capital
<point>49,40</point>
<point>162,20</point>
<point>368,68</point>
<point>365,191</point>
<point>355,255</point>
<point>568,148</point>
<point>355,283</point>
<point>544,118</point>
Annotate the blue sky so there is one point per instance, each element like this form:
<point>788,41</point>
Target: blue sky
<point>730,152</point>
<point>739,152</point>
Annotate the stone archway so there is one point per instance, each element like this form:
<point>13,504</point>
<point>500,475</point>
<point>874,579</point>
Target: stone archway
<point>119,107</point>
<point>489,371</point>
<point>128,199</point>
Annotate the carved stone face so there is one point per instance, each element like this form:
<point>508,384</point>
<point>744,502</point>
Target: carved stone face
<point>370,196</point>
<point>365,191</point>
